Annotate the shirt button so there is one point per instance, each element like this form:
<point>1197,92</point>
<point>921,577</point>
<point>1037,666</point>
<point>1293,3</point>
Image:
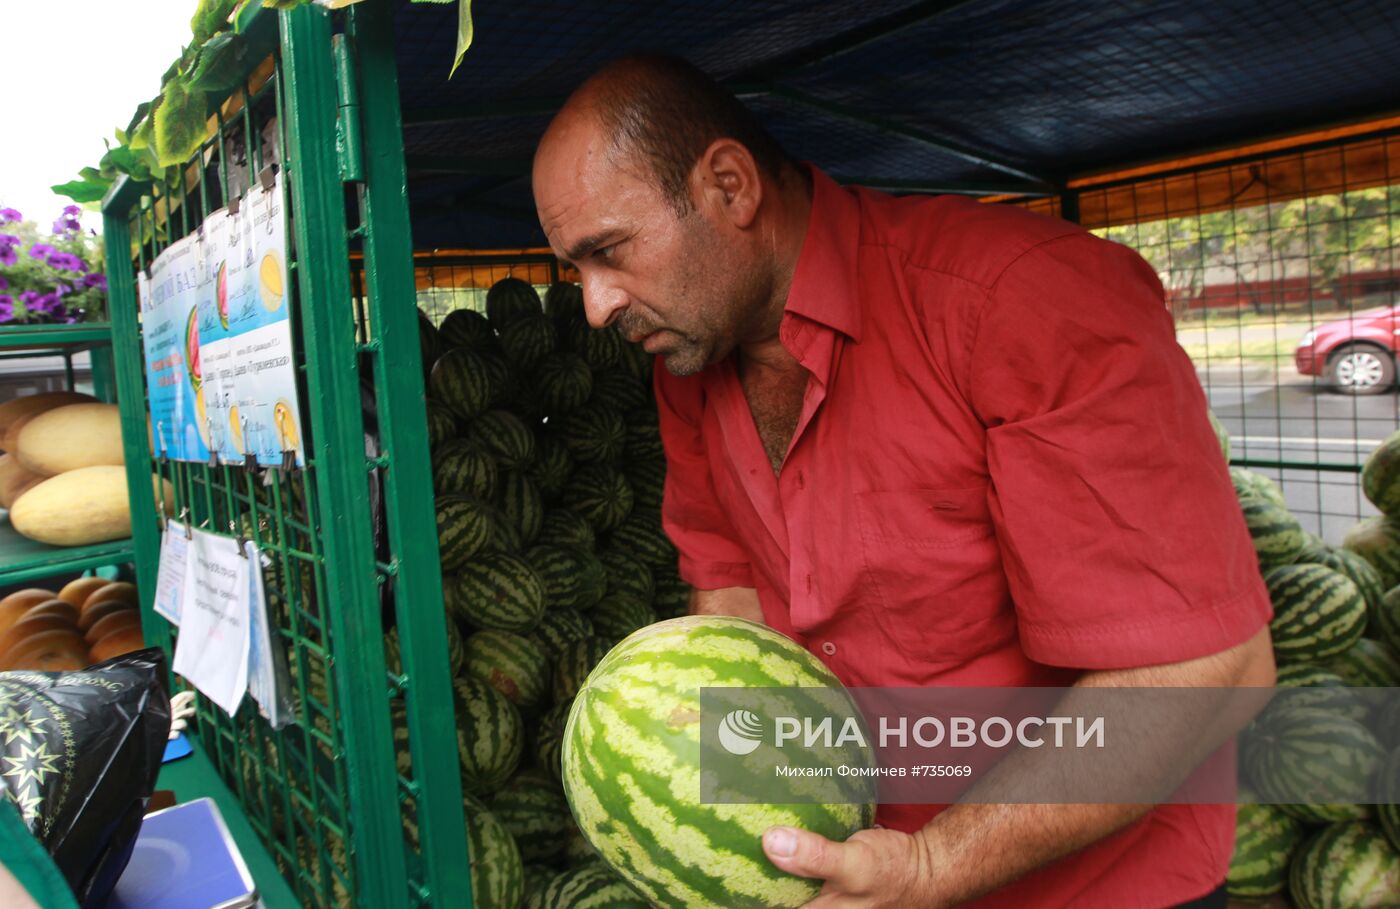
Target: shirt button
<point>809,583</point>
<point>828,648</point>
<point>801,480</point>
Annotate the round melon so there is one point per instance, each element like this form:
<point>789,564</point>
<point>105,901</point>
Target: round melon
<point>516,666</point>
<point>1265,840</point>
<point>1277,535</point>
<point>15,480</point>
<point>1367,664</point>
<point>490,735</point>
<point>632,767</point>
<point>1380,477</point>
<point>509,300</point>
<point>17,412</point>
<point>532,807</point>
<point>1315,764</point>
<point>67,438</point>
<point>1377,540</point>
<point>87,505</point>
<point>591,885</point>
<point>1318,612</point>
<point>1250,484</point>
<point>498,876</point>
<point>1346,866</point>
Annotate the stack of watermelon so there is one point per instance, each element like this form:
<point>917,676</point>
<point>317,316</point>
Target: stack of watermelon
<point>1336,627</point>
<point>548,471</point>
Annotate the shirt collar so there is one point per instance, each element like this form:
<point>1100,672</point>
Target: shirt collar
<point>824,287</point>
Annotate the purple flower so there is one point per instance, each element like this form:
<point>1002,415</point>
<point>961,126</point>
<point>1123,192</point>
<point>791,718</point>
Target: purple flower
<point>72,211</point>
<point>65,261</point>
<point>9,214</point>
<point>30,299</point>
<point>62,289</point>
<point>7,307</point>
<point>41,251</point>
<point>8,256</point>
<point>4,283</point>
<point>96,279</point>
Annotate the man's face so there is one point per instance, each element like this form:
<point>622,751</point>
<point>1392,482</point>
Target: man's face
<point>674,283</point>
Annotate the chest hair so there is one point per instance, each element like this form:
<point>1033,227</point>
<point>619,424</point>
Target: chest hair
<point>775,400</point>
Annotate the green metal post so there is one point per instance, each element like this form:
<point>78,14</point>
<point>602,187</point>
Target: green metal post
<point>131,401</point>
<point>409,504</point>
<point>323,279</point>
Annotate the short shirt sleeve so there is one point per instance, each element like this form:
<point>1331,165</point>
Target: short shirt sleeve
<point>1122,540</point>
<point>710,556</point>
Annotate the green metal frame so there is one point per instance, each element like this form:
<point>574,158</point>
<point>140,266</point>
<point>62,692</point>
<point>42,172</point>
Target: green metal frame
<point>333,780</point>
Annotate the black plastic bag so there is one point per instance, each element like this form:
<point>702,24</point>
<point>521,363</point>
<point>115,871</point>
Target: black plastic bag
<point>79,755</point>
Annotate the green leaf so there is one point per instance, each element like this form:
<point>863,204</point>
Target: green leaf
<point>210,18</point>
<point>219,64</point>
<point>142,131</point>
<point>179,123</point>
<point>142,110</point>
<point>135,163</point>
<point>81,191</point>
<point>284,4</point>
<point>464,33</point>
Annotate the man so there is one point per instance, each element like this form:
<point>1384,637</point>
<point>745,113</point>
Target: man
<point>938,443</point>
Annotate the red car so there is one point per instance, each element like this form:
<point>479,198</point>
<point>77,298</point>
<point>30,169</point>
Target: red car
<point>1356,355</point>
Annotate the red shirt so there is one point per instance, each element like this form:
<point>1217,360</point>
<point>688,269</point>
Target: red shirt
<point>1003,475</point>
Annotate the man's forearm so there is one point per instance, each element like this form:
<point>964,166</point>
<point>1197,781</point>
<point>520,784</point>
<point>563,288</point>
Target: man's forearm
<point>972,849</point>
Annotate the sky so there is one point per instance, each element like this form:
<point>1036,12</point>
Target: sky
<point>75,71</point>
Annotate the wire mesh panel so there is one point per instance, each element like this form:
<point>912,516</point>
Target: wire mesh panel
<point>1283,275</point>
<point>350,535</point>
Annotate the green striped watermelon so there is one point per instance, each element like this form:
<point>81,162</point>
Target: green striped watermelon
<point>620,391</point>
<point>1380,477</point>
<point>442,425</point>
<point>576,661</point>
<point>552,466</point>
<point>559,628</point>
<point>516,666</point>
<point>1265,840</point>
<point>1278,537</point>
<point>549,740</point>
<point>520,503</point>
<point>1387,624</point>
<point>672,594</point>
<point>1362,574</point>
<point>601,348</point>
<point>648,479</point>
<point>463,382</point>
<point>644,438</point>
<point>618,616</point>
<point>641,536</point>
<point>1377,540</point>
<point>628,576</point>
<point>1317,612</point>
<point>510,300</point>
<point>591,886</point>
<point>464,468</point>
<point>498,877</point>
<point>1314,686</point>
<point>456,649</point>
<point>1368,664</point>
<point>490,735</point>
<point>1317,763</point>
<point>563,303</point>
<point>1249,484</point>
<point>1388,790</point>
<point>572,578</point>
<point>465,528</point>
<point>1222,435</point>
<point>601,494</point>
<point>562,527</point>
<point>498,591</point>
<point>532,807</point>
<point>466,329</point>
<point>1388,723</point>
<point>632,768</point>
<point>537,878</point>
<point>594,433</point>
<point>578,851</point>
<point>1346,866</point>
<point>527,341</point>
<point>564,383</point>
<point>508,440</point>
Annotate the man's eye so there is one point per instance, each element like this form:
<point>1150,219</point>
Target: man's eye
<point>604,252</point>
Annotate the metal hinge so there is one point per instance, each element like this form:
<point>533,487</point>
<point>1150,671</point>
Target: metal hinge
<point>349,150</point>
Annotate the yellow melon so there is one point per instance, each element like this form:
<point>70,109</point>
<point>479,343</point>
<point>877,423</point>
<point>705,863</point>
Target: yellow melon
<point>66,438</point>
<point>14,414</point>
<point>87,505</point>
<point>15,481</point>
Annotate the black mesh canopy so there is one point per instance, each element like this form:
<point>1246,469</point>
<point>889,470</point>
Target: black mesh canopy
<point>979,96</point>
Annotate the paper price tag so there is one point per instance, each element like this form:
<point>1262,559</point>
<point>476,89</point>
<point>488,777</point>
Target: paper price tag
<point>268,680</point>
<point>212,649</point>
<point>170,578</point>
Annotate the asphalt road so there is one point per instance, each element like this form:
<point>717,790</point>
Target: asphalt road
<point>1286,417</point>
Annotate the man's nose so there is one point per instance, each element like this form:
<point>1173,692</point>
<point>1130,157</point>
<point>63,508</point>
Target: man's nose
<point>603,302</point>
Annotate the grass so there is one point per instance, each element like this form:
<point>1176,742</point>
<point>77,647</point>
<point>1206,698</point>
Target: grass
<point>1271,351</point>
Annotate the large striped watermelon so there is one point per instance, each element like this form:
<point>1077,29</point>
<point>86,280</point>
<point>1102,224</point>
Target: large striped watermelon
<point>516,666</point>
<point>549,740</point>
<point>1388,789</point>
<point>520,503</point>
<point>563,527</point>
<point>527,341</point>
<point>576,661</point>
<point>509,300</point>
<point>618,616</point>
<point>591,886</point>
<point>1361,572</point>
<point>642,537</point>
<point>498,877</point>
<point>563,382</point>
<point>594,433</point>
<point>602,347</point>
<point>1249,484</point>
<point>1346,866</point>
<point>456,649</point>
<point>648,479</point>
<point>628,576</point>
<point>1314,686</point>
<point>463,382</point>
<point>1265,840</point>
<point>559,628</point>
<point>537,878</point>
<point>442,425</point>
<point>643,438</point>
<point>1377,540</point>
<point>572,578</point>
<point>1368,664</point>
<point>1278,537</point>
<point>468,330</point>
<point>465,527</point>
<point>508,440</point>
<point>533,808</point>
<point>498,591</point>
<point>464,468</point>
<point>601,494</point>
<point>490,735</point>
<point>1317,612</point>
<point>563,303</point>
<point>619,390</point>
<point>1380,477</point>
<point>552,466</point>
<point>1317,763</point>
<point>632,767</point>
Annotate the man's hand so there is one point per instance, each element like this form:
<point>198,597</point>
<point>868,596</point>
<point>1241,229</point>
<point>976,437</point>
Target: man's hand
<point>874,869</point>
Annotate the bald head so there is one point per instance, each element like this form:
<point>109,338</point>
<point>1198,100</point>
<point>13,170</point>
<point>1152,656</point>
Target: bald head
<point>657,115</point>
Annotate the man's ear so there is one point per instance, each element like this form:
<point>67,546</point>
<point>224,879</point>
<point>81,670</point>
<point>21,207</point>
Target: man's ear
<point>726,180</point>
